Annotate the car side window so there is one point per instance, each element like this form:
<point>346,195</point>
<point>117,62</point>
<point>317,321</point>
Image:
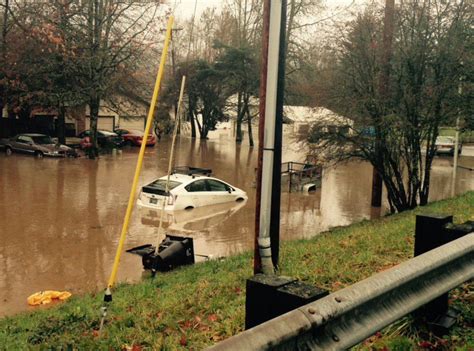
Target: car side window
<point>198,185</point>
<point>215,185</point>
<point>24,139</point>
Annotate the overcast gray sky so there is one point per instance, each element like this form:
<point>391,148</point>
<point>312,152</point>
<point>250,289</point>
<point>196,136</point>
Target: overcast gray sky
<point>185,8</point>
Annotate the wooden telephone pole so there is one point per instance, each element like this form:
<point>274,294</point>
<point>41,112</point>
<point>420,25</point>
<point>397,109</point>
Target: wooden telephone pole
<point>384,88</point>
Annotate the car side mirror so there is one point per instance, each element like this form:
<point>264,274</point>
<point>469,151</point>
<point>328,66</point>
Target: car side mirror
<point>229,189</point>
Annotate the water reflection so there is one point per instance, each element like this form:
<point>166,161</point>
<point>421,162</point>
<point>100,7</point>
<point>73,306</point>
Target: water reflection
<point>200,219</point>
<point>60,220</point>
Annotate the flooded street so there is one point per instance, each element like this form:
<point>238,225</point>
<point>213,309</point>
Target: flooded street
<point>60,220</point>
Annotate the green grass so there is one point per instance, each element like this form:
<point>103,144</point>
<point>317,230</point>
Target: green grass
<point>197,306</point>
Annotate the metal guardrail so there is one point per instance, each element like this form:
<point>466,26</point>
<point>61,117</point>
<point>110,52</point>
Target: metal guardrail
<point>348,316</point>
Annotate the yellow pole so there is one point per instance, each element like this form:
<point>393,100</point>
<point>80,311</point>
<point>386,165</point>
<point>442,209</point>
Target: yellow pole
<point>131,199</point>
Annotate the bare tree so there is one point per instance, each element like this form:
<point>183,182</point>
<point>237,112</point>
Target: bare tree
<point>114,35</point>
<point>396,125</point>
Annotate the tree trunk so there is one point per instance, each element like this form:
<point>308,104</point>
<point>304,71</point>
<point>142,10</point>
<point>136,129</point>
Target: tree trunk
<point>249,123</point>
<point>94,115</point>
<point>6,8</point>
<point>425,187</point>
<point>384,88</point>
<point>191,119</point>
<point>24,114</point>
<point>290,23</point>
<point>204,132</point>
<point>11,113</point>
<point>240,115</point>
<point>62,124</point>
<point>3,94</point>
<point>200,128</point>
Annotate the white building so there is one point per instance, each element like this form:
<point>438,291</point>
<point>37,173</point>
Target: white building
<point>303,117</point>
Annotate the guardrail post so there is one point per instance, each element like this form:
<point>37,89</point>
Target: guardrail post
<point>269,296</point>
<point>430,233</point>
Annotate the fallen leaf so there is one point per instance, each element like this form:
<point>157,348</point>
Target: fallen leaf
<point>425,344</point>
<point>216,338</point>
<point>183,341</point>
<point>212,317</point>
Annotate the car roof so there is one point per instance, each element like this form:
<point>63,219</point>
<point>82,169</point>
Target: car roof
<point>186,179</point>
<point>444,137</point>
<point>133,131</point>
<point>100,131</point>
<point>32,134</point>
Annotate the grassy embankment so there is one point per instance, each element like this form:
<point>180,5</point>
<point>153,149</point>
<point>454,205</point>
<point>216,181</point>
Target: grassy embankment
<point>197,306</point>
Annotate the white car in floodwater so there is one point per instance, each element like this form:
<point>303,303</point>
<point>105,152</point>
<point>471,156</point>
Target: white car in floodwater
<point>188,190</point>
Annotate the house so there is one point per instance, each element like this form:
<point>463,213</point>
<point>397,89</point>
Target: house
<point>301,117</point>
<point>121,114</point>
<point>304,117</point>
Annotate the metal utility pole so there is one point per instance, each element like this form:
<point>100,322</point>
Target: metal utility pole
<point>268,105</point>
<point>257,263</point>
<point>276,191</point>
<point>384,89</point>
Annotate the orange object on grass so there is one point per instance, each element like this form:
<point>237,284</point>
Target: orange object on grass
<point>45,297</point>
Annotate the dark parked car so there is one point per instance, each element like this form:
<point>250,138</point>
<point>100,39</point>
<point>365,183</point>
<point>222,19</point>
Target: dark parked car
<point>105,138</point>
<point>37,144</point>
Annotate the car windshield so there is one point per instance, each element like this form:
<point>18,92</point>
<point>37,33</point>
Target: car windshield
<point>107,133</point>
<point>160,184</point>
<point>42,139</point>
<point>447,140</point>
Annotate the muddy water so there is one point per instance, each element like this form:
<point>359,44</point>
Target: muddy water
<point>60,220</point>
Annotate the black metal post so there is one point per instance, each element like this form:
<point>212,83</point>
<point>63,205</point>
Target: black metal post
<point>430,234</point>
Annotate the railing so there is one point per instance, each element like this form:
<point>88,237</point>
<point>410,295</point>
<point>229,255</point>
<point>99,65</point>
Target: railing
<point>347,317</point>
<point>297,172</point>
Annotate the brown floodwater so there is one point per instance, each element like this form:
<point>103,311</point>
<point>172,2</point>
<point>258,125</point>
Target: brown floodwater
<point>60,219</point>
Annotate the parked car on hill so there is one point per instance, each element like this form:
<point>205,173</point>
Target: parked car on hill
<point>37,144</point>
<point>105,138</point>
<point>133,137</point>
<point>188,188</point>
<point>446,145</point>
